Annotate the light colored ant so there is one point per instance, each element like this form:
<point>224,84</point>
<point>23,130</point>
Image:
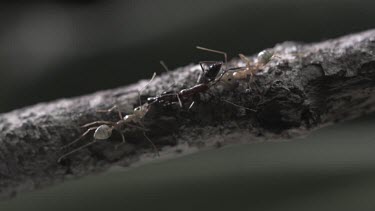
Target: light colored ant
<point>251,69</point>
<point>105,128</point>
<point>229,79</point>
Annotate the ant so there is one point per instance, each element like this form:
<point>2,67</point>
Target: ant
<point>207,78</point>
<point>105,128</point>
<point>250,69</point>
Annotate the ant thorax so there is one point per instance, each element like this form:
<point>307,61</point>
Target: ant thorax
<point>139,113</point>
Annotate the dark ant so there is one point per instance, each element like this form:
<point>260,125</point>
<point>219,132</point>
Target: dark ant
<point>207,79</point>
<point>213,67</point>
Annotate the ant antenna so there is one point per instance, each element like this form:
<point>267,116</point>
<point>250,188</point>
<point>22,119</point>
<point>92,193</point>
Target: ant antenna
<point>244,58</point>
<point>167,70</point>
<point>141,90</point>
<point>164,65</point>
<point>83,135</point>
<point>214,51</point>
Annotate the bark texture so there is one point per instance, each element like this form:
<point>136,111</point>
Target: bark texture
<point>304,86</point>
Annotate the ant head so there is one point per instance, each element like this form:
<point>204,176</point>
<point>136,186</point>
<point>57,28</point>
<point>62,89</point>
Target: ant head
<point>215,65</point>
<point>103,132</point>
<point>229,81</point>
<point>228,78</point>
<point>212,70</point>
<point>140,111</point>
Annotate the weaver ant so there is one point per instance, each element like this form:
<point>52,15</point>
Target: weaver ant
<point>105,128</point>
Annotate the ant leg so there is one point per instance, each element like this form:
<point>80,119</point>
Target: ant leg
<point>110,110</point>
<point>191,105</point>
<point>234,104</point>
<point>199,80</point>
<point>123,140</point>
<point>134,126</point>
<point>97,122</point>
<point>174,82</point>
<point>143,88</point>
<point>252,68</point>
<point>179,100</point>
<point>76,150</point>
<point>152,143</point>
<point>107,110</point>
<point>250,81</point>
<point>144,134</point>
<point>83,135</point>
<point>243,107</point>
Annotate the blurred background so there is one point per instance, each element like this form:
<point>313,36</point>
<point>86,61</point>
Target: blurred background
<point>65,48</point>
<point>55,49</point>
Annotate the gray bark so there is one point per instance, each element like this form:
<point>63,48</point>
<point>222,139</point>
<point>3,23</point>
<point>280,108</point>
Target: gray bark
<point>304,86</point>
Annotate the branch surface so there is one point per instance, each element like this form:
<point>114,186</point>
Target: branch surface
<point>302,87</point>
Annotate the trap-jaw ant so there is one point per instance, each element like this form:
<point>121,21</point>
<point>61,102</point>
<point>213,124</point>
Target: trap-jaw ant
<point>207,78</point>
<point>105,128</point>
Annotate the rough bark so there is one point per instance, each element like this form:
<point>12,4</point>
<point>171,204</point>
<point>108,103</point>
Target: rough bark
<point>304,86</point>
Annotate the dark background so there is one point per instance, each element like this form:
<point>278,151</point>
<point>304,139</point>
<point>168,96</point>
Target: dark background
<point>55,49</point>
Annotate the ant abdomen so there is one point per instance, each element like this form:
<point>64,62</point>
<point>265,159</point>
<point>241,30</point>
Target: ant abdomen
<point>103,132</point>
<point>265,56</point>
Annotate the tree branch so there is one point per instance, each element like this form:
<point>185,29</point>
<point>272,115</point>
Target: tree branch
<point>302,87</point>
